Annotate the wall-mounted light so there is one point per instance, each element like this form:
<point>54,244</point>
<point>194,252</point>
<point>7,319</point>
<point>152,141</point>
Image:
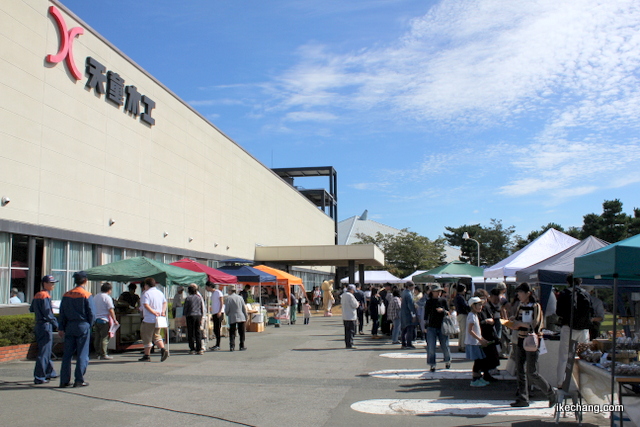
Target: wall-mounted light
<point>190,239</point>
<point>227,247</point>
<point>111,222</point>
<point>5,201</point>
<point>166,234</point>
<point>215,245</point>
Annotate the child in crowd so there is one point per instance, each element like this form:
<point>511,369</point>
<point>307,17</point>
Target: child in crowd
<point>306,308</point>
<point>474,343</point>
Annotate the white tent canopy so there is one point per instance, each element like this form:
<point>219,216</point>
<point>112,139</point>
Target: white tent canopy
<point>548,244</point>
<point>376,276</point>
<point>410,277</point>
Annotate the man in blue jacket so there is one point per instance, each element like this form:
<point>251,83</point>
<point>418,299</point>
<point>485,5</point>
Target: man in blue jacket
<point>46,322</point>
<point>76,317</point>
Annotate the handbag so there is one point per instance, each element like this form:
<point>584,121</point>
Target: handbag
<point>448,327</point>
<point>381,309</point>
<point>531,342</point>
<point>161,322</point>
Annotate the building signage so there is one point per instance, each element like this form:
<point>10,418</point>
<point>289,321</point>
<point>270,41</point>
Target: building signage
<point>110,84</point>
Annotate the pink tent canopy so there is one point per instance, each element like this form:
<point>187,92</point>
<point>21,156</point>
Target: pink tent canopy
<point>213,275</point>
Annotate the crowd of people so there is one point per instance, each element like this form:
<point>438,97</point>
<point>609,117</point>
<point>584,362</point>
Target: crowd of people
<point>489,326</point>
<point>82,313</point>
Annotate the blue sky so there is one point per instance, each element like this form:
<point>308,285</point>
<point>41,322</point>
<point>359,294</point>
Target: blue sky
<point>434,113</point>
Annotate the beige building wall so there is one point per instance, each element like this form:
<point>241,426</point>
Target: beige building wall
<point>70,159</point>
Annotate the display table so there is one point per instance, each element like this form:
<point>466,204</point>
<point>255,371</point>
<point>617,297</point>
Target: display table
<point>127,336</point>
<point>595,387</point>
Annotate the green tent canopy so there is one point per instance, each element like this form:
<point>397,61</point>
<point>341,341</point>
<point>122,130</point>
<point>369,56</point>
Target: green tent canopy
<point>619,260</point>
<point>451,270</point>
<point>139,268</point>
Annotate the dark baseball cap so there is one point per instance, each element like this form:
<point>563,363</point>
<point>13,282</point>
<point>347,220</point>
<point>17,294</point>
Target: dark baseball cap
<point>49,279</point>
<point>79,275</point>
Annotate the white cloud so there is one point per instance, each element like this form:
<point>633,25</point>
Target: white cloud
<point>212,102</point>
<point>565,169</point>
<point>484,61</point>
<point>299,116</point>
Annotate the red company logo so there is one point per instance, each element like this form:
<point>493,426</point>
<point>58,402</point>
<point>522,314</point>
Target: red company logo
<point>65,51</point>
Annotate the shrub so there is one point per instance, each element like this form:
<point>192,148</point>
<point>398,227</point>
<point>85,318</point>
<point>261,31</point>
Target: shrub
<point>17,329</point>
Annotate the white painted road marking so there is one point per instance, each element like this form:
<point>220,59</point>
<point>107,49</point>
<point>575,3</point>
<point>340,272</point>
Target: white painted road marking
<point>450,407</point>
<point>422,374</point>
<point>439,356</point>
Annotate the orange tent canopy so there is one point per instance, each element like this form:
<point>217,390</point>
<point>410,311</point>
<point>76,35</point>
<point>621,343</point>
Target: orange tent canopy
<point>282,277</point>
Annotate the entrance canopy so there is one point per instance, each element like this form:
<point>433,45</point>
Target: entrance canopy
<point>330,255</point>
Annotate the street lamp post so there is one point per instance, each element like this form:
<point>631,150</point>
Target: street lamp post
<point>465,236</point>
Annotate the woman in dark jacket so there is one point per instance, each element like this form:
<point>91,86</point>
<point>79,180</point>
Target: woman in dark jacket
<point>193,310</point>
<point>488,318</point>
<point>434,311</point>
<point>374,302</point>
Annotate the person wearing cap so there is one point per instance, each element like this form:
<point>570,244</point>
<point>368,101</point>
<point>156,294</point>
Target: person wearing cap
<point>236,312</point>
<point>154,305</point>
<point>529,318</point>
<point>436,308</point>
<point>474,342</point>
<point>76,317</point>
<point>349,314</point>
<point>46,322</point>
<point>105,317</point>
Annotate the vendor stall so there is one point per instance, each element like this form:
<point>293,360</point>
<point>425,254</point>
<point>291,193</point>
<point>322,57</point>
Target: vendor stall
<point>615,262</point>
<point>136,269</point>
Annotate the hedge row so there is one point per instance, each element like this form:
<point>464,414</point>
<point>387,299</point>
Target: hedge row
<point>17,329</point>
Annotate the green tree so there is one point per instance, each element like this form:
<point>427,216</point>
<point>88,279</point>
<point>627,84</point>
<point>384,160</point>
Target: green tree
<point>496,242</point>
<point>407,251</point>
<point>612,225</point>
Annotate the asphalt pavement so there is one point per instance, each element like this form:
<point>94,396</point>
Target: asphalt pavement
<point>294,375</point>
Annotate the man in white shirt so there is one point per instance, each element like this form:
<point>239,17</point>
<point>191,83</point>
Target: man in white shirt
<point>154,305</point>
<point>105,315</point>
<point>217,311</point>
<point>349,314</point>
<point>14,297</point>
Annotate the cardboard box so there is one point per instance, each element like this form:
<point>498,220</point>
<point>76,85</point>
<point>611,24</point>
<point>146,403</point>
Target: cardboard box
<point>256,327</point>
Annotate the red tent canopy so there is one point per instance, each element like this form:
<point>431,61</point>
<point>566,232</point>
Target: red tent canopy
<point>213,275</point>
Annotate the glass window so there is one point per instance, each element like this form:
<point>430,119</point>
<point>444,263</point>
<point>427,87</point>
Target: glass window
<point>5,250</point>
<point>19,264</point>
<point>58,262</point>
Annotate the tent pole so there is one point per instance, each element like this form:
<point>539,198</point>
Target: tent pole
<point>613,357</point>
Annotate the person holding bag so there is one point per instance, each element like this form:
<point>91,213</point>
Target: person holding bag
<point>435,311</point>
<point>528,320</point>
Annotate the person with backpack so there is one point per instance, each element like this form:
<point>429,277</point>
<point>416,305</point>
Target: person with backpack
<point>573,328</point>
